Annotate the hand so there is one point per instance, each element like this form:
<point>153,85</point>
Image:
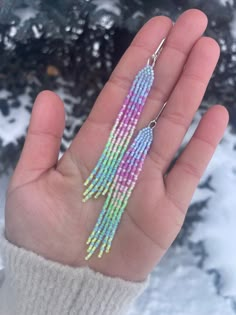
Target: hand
<point>44,209</point>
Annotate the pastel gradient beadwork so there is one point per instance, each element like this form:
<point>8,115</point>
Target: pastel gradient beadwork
<point>121,188</point>
<point>102,176</point>
<point>117,170</point>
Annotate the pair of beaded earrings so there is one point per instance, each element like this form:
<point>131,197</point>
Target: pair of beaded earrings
<point>119,166</point>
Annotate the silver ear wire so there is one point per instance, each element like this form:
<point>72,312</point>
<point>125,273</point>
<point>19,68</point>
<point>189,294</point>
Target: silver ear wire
<point>152,60</point>
<point>153,122</point>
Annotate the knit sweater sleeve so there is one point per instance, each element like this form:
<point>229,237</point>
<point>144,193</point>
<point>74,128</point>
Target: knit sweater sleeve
<point>35,286</point>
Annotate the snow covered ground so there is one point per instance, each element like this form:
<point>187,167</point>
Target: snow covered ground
<point>198,274</point>
<point>179,287</point>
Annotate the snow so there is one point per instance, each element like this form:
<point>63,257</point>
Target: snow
<point>37,34</point>
<point>10,132</point>
<point>25,14</point>
<point>108,6</point>
<point>4,94</point>
<point>227,2</point>
<point>71,121</point>
<point>233,26</point>
<point>96,47</point>
<point>1,262</point>
<point>3,184</point>
<point>180,285</point>
<point>106,21</point>
<point>217,230</point>
<point>138,14</point>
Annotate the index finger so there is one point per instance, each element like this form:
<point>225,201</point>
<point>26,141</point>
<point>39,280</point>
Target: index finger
<point>90,140</point>
<point>136,56</point>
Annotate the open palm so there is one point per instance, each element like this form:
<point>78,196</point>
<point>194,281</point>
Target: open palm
<point>44,209</point>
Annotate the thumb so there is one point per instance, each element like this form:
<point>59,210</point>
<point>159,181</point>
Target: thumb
<point>43,140</point>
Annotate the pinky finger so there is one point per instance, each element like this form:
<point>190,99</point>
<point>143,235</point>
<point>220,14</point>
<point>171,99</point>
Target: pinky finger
<point>185,175</point>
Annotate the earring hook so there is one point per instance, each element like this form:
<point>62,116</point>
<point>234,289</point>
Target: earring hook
<point>152,60</point>
<point>153,122</point>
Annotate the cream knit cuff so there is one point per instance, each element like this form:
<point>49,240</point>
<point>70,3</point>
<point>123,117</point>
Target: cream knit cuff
<point>37,286</point>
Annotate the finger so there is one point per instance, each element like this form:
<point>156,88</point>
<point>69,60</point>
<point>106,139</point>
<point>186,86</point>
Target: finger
<point>92,137</point>
<point>42,143</point>
<point>99,123</point>
<point>188,28</point>
<point>184,177</point>
<point>183,102</point>
<point>142,47</point>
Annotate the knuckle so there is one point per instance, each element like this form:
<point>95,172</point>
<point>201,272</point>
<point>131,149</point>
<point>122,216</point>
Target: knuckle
<point>189,169</point>
<point>176,118</point>
<point>195,78</point>
<point>180,207</point>
<point>159,160</point>
<point>121,81</point>
<point>157,94</point>
<point>171,45</point>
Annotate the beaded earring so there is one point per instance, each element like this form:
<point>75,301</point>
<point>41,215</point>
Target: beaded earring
<point>120,191</point>
<point>102,175</point>
<point>117,170</point>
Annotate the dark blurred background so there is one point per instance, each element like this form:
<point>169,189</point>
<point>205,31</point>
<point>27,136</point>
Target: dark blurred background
<point>73,45</point>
